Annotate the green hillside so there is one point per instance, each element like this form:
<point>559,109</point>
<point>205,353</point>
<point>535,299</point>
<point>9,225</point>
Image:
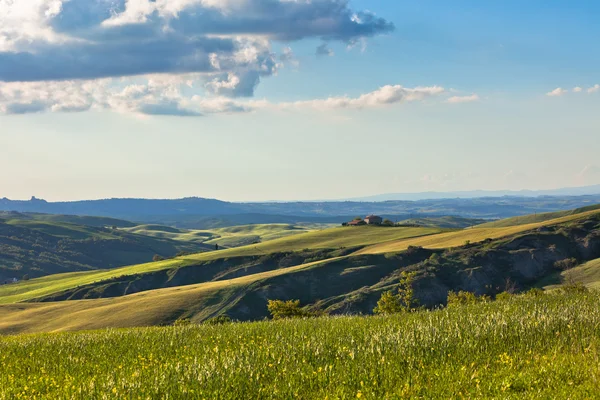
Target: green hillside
<point>473,235</point>
<point>587,274</point>
<point>520,348</point>
<point>35,247</point>
<point>337,281</point>
<point>536,218</point>
<point>98,222</point>
<point>449,222</point>
<point>235,236</point>
<point>336,238</point>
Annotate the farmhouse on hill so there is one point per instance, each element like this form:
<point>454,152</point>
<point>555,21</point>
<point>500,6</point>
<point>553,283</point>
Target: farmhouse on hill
<point>373,220</point>
<point>369,220</point>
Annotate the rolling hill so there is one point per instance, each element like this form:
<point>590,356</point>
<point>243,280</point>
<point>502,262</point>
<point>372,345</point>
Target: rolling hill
<point>234,236</point>
<point>339,270</point>
<point>41,245</point>
<point>335,239</point>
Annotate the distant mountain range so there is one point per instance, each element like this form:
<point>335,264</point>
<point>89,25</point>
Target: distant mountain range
<point>571,191</point>
<point>202,213</point>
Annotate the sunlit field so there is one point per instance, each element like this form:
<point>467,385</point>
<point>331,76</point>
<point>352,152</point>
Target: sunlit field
<point>523,347</point>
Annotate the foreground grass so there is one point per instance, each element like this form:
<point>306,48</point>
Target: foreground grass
<point>543,347</point>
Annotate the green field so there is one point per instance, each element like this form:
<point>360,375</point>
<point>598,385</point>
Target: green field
<point>235,236</point>
<point>520,348</point>
<point>536,218</point>
<point>472,235</point>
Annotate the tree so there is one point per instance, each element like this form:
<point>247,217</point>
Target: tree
<point>403,300</point>
<point>157,257</point>
<point>280,309</point>
<point>388,222</point>
<point>358,219</point>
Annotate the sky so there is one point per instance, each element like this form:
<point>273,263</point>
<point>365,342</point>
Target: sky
<point>249,100</point>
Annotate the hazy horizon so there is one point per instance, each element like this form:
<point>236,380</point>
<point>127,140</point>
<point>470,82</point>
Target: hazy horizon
<point>569,191</point>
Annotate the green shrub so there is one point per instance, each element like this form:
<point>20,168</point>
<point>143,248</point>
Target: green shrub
<point>182,322</point>
<point>219,320</point>
<point>401,301</point>
<point>566,264</point>
<point>463,298</point>
<point>504,296</point>
<point>280,309</point>
<point>534,292</point>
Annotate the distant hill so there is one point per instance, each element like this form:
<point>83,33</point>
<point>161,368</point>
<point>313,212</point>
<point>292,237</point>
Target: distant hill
<point>199,213</point>
<point>571,191</point>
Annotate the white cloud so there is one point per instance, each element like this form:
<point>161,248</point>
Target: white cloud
<point>463,99</point>
<point>577,89</point>
<point>386,95</point>
<point>557,92</point>
<point>176,95</point>
<point>594,89</point>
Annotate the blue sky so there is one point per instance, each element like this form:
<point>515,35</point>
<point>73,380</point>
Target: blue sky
<point>404,96</point>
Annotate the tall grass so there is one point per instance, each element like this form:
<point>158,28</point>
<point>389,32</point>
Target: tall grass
<point>523,347</point>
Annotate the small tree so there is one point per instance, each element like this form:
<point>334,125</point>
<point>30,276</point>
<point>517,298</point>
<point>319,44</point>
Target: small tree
<point>388,222</point>
<point>157,257</point>
<point>280,309</point>
<point>358,219</point>
<point>402,301</point>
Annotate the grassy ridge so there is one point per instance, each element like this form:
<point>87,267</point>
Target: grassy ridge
<point>535,218</point>
<point>473,235</point>
<point>151,308</point>
<point>524,347</point>
<point>330,238</point>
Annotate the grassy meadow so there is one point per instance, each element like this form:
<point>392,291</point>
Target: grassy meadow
<point>523,347</point>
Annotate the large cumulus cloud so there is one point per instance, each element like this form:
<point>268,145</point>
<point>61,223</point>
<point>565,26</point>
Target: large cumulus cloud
<point>226,45</point>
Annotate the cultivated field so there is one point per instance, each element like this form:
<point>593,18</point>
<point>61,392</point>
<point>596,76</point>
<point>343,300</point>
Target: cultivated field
<point>472,235</point>
<point>520,348</point>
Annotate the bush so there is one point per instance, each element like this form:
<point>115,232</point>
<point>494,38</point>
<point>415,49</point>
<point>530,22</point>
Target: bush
<point>534,292</point>
<point>388,222</point>
<point>402,301</point>
<point>280,309</point>
<point>566,264</point>
<point>464,298</point>
<point>182,322</point>
<point>219,320</point>
<point>157,257</point>
<point>504,296</point>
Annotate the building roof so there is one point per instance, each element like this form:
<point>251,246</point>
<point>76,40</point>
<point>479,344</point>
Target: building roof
<point>357,222</point>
